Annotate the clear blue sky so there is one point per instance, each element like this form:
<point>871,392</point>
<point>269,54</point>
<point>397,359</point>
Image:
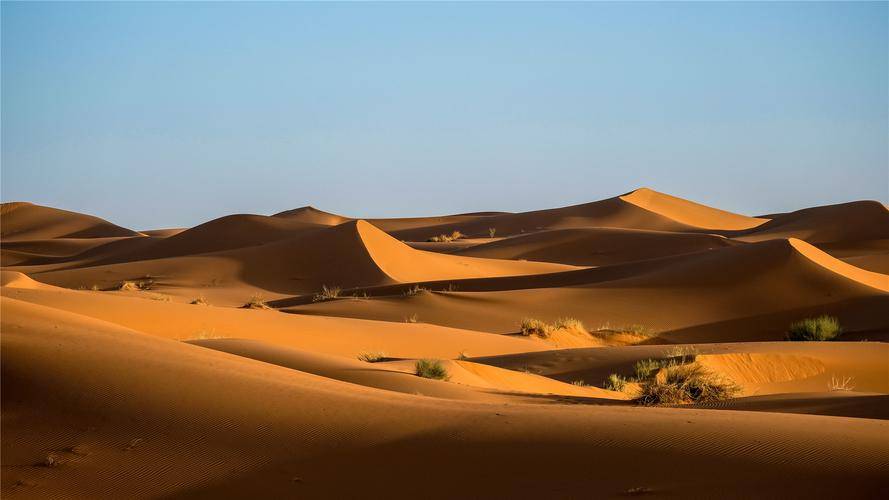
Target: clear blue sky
<point>170,114</point>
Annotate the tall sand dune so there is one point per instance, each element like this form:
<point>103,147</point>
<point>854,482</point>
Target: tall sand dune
<point>26,221</point>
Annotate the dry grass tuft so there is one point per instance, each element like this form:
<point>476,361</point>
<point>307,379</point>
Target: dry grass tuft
<point>431,368</point>
<point>129,286</point>
<point>415,290</point>
<point>531,326</point>
<point>200,301</point>
<point>446,238</point>
<point>615,382</point>
<point>256,302</point>
<point>372,357</point>
<point>690,383</point>
<point>413,318</point>
<point>327,293</point>
<point>492,231</point>
<point>841,383</point>
<point>817,329</point>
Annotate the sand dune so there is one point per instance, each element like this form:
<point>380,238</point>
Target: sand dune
<point>639,209</point>
<point>25,221</point>
<point>131,369</point>
<point>201,422</point>
<point>595,246</point>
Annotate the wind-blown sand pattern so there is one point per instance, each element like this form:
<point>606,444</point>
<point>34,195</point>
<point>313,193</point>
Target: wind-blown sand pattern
<point>132,369</point>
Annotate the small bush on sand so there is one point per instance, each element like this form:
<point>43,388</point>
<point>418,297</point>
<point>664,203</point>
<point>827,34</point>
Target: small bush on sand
<point>679,384</point>
<point>255,302</point>
<point>578,383</point>
<point>570,324</point>
<point>129,286</point>
<point>462,356</point>
<point>644,368</point>
<point>327,293</point>
<point>820,328</point>
<point>682,353</point>
<point>446,238</point>
<point>431,368</point>
<point>372,357</point>
<point>161,297</point>
<point>413,318</point>
<point>200,301</point>
<point>615,382</point>
<point>531,326</point>
<point>415,290</point>
<point>492,231</point>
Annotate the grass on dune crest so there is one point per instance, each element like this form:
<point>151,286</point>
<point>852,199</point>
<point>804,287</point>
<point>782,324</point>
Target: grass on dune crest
<point>372,357</point>
<point>446,238</point>
<point>431,368</point>
<point>685,383</point>
<point>815,329</point>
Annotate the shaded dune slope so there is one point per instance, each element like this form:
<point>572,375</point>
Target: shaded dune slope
<point>595,246</point>
<point>26,221</point>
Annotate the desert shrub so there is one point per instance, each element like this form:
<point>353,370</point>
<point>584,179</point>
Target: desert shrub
<point>327,293</point>
<point>446,238</point>
<point>161,297</point>
<point>415,290</point>
<point>431,368</point>
<point>200,301</point>
<point>615,382</point>
<point>690,383</point>
<point>820,328</point>
<point>255,302</point>
<point>462,356</point>
<point>570,324</point>
<point>492,231</point>
<point>579,383</point>
<point>413,318</point>
<point>531,326</point>
<point>372,357</point>
<point>644,368</point>
<point>129,286</point>
<point>682,354</point>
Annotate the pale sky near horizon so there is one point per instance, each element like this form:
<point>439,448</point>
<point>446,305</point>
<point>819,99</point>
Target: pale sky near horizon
<point>171,114</point>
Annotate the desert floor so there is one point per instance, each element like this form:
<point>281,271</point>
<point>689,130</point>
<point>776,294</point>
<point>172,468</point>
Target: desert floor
<point>275,356</point>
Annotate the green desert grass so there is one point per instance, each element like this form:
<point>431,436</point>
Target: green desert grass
<point>431,368</point>
<point>819,328</point>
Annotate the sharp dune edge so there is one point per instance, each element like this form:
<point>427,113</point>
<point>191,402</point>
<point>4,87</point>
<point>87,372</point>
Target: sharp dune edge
<point>131,369</point>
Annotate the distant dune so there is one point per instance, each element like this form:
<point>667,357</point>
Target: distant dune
<point>313,355</point>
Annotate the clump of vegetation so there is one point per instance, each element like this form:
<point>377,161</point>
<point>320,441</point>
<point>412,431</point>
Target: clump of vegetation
<point>492,231</point>
<point>542,329</point>
<point>415,290</point>
<point>200,301</point>
<point>578,383</point>
<point>841,383</point>
<point>129,286</point>
<point>372,357</point>
<point>615,382</point>
<point>327,293</point>
<point>685,383</point>
<point>51,460</point>
<point>682,354</point>
<point>431,368</point>
<point>256,302</point>
<point>161,297</point>
<point>446,238</point>
<point>462,356</point>
<point>644,368</point>
<point>820,328</point>
<point>413,318</point>
<point>531,326</point>
<point>637,330</point>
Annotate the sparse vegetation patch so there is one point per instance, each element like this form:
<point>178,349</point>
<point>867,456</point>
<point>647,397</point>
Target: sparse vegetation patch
<point>815,329</point>
<point>431,368</point>
<point>256,302</point>
<point>615,382</point>
<point>372,357</point>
